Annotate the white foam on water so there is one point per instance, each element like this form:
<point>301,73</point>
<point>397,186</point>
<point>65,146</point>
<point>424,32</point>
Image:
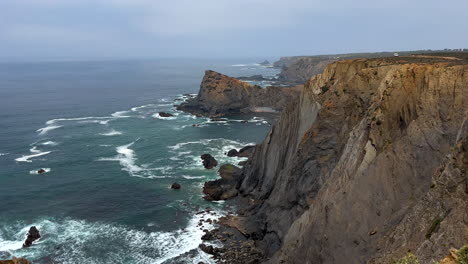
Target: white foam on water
<point>46,129</point>
<point>49,143</point>
<point>46,170</point>
<point>238,65</point>
<point>54,121</point>
<point>4,154</point>
<point>120,114</point>
<point>111,133</point>
<point>76,237</point>
<point>127,159</point>
<point>27,158</point>
<point>192,177</point>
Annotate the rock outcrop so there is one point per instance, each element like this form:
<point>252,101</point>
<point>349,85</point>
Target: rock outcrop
<point>208,161</point>
<point>370,164</point>
<point>33,235</point>
<point>222,95</point>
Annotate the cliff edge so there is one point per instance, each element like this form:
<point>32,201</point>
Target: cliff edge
<point>370,164</point>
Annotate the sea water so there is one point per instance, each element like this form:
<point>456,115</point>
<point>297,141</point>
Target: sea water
<point>109,158</point>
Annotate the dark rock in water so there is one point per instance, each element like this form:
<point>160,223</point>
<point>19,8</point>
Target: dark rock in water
<point>207,249</point>
<point>265,62</point>
<point>244,121</point>
<point>175,186</point>
<point>246,151</point>
<point>208,236</point>
<point>164,114</point>
<point>40,171</point>
<point>208,161</point>
<point>33,235</point>
<point>232,153</point>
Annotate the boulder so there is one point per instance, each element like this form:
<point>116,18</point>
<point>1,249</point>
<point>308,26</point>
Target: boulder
<point>164,114</point>
<point>41,171</point>
<point>232,153</point>
<point>175,186</point>
<point>208,161</point>
<point>33,235</point>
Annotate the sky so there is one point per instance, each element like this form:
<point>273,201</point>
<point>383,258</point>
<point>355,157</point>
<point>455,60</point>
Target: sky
<point>226,28</point>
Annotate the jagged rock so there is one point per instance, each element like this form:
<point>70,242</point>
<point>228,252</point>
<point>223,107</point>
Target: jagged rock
<point>175,186</point>
<point>33,235</point>
<point>265,62</point>
<point>164,114</point>
<point>208,249</point>
<point>209,161</point>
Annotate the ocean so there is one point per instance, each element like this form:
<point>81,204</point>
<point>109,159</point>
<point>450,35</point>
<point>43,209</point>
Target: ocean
<point>109,158</point>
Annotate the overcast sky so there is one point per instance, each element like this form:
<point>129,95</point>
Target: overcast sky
<point>217,28</point>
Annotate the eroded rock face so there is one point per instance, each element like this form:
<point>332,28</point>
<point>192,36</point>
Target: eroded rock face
<point>345,175</point>
<point>221,95</point>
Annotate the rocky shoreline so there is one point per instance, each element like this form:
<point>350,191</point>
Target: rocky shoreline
<point>384,140</point>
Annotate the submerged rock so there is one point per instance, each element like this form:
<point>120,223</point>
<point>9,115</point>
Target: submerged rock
<point>164,114</point>
<point>209,161</point>
<point>41,171</point>
<point>33,235</point>
<point>175,186</point>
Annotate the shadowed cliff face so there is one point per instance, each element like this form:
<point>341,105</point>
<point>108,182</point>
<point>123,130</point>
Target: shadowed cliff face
<point>223,95</point>
<point>346,175</point>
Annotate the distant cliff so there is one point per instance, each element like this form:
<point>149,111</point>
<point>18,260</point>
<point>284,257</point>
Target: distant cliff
<point>221,95</point>
<point>370,163</point>
<point>298,69</point>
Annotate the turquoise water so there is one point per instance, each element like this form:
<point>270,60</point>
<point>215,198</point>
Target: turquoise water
<point>109,158</point>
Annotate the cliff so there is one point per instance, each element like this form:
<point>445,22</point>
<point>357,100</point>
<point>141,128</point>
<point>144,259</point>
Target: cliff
<point>370,163</point>
<point>221,95</point>
<point>298,69</point>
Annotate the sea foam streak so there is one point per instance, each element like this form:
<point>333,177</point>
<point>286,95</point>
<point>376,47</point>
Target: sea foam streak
<point>38,153</point>
<point>111,133</point>
<point>46,129</point>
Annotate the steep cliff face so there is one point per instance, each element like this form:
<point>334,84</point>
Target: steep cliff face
<point>346,175</point>
<point>302,69</point>
<point>223,95</point>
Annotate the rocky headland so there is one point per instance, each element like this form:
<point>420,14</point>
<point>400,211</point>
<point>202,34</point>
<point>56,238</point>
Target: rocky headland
<point>221,95</point>
<point>367,164</point>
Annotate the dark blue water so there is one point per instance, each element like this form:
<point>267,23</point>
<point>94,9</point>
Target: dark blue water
<point>109,158</point>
